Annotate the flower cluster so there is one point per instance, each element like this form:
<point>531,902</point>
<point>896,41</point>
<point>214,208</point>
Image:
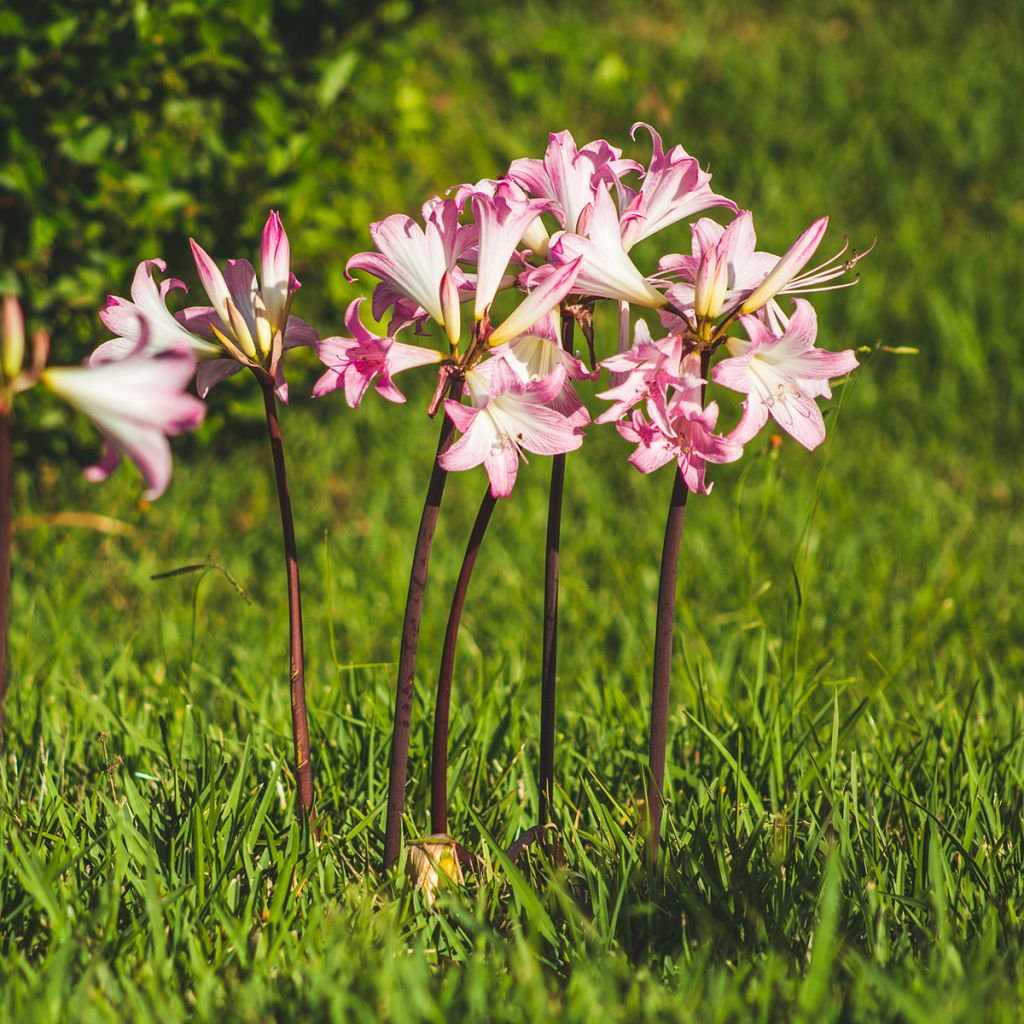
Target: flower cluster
<point>559,233</point>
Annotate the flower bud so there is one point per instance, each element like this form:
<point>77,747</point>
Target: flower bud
<point>710,286</point>
<point>536,238</point>
<point>451,308</point>
<point>13,349</point>
<point>275,276</point>
<point>794,260</point>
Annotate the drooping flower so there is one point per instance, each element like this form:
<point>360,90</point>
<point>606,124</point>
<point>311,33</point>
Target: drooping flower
<point>135,402</point>
<point>607,271</point>
<point>679,430</point>
<point>514,417</point>
<point>674,187</point>
<point>355,362</point>
<point>782,375</point>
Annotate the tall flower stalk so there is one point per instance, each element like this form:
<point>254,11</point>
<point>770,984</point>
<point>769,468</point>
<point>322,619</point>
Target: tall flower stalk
<point>664,631</point>
<point>549,649</point>
<point>509,410</point>
<point>247,326</point>
<point>442,706</point>
<point>297,665</point>
<point>402,726</point>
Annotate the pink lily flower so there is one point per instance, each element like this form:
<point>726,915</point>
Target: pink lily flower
<point>252,323</point>
<point>135,402</point>
<point>679,430</point>
<point>535,237</point>
<point>411,261</point>
<point>570,176</point>
<point>536,354</point>
<point>749,272</point>
<point>549,286</point>
<point>145,319</point>
<point>782,376</point>
<point>355,362</point>
<point>501,222</point>
<point>240,322</point>
<point>514,417</point>
<point>607,271</point>
<point>674,187</point>
<point>648,368</point>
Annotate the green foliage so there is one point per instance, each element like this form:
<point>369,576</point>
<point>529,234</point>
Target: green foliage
<point>845,776</point>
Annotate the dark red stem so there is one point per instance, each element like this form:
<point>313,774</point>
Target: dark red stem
<point>663,635</point>
<point>439,752</point>
<point>6,483</point>
<point>300,723</point>
<point>663,663</point>
<point>549,654</point>
<point>410,643</point>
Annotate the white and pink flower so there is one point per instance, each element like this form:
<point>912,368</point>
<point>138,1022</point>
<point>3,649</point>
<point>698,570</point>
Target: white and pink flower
<point>135,402</point>
<point>782,375</point>
<point>356,362</point>
<point>514,417</point>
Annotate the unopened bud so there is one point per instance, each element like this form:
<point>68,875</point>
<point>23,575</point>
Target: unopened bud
<point>792,262</point>
<point>451,308</point>
<point>711,283</point>
<point>431,863</point>
<point>13,350</point>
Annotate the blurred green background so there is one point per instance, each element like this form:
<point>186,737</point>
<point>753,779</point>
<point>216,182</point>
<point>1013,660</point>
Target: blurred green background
<point>850,622</point>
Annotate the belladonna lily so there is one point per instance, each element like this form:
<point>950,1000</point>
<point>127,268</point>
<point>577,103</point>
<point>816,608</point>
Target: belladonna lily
<point>144,325</point>
<point>249,318</point>
<point>679,430</point>
<point>782,376</point>
<point>136,403</point>
<point>754,280</point>
<point>515,417</point>
<point>355,362</point>
<point>674,187</point>
<point>249,322</point>
<point>649,367</point>
<point>411,261</point>
<point>247,325</point>
<point>569,176</point>
<point>606,271</point>
<point>415,266</point>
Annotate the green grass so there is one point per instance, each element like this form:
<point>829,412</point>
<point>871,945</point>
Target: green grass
<point>844,836</point>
